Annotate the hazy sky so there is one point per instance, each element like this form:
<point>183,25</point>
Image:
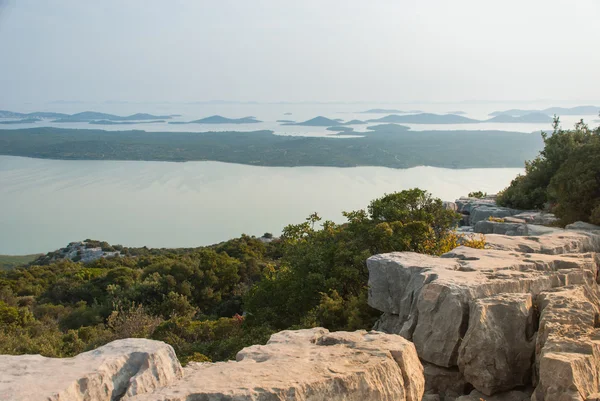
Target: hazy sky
<point>320,50</point>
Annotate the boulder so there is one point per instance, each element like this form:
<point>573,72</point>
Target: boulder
<point>484,212</point>
<point>432,296</point>
<point>124,367</point>
<point>307,365</point>
<point>450,206</point>
<point>497,350</point>
<point>465,204</point>
<point>581,226</point>
<point>537,217</point>
<point>494,227</point>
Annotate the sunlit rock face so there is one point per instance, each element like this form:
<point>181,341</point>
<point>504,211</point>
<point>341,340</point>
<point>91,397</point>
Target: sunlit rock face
<point>520,314</point>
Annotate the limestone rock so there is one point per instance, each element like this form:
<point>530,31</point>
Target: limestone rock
<point>450,206</point>
<point>537,217</point>
<point>479,213</point>
<point>512,228</point>
<point>497,350</point>
<point>580,225</point>
<point>568,345</point>
<point>432,296</point>
<point>494,227</point>
<point>130,367</point>
<point>307,365</point>
<point>465,204</point>
<point>560,242</point>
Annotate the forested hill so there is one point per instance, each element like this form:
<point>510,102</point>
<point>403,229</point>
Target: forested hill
<point>383,147</point>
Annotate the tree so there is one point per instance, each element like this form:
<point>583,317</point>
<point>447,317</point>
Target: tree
<point>530,191</point>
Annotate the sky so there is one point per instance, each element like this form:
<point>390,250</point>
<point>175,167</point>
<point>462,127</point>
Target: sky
<point>291,50</point>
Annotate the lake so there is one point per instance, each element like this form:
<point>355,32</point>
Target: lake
<point>45,204</point>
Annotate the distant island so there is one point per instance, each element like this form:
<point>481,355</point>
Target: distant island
<point>83,117</point>
<point>286,121</point>
<point>423,118</point>
<point>426,118</point>
<point>319,121</point>
<point>458,113</point>
<point>37,114</point>
<point>22,121</point>
<point>221,120</point>
<point>389,145</point>
<point>560,111</point>
<point>340,129</point>
<point>526,118</point>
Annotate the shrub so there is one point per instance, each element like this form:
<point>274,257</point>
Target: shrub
<point>477,194</point>
<point>474,242</point>
<point>530,191</point>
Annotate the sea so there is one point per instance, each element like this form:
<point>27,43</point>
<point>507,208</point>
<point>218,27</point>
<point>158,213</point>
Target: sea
<point>45,204</point>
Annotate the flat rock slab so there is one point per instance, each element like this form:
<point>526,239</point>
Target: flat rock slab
<point>124,367</point>
<point>513,228</point>
<point>560,242</point>
<point>309,364</point>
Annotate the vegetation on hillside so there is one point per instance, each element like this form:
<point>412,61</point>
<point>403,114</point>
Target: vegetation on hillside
<point>209,302</point>
<point>564,178</point>
<point>387,145</point>
<point>8,262</point>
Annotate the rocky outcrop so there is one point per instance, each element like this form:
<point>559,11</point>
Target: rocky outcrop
<point>121,368</point>
<point>307,365</point>
<point>474,315</point>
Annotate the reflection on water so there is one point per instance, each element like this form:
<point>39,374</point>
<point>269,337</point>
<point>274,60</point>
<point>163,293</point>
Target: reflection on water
<point>47,203</point>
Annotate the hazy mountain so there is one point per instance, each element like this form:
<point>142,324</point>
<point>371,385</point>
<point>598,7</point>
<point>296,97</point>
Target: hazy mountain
<point>560,111</point>
<point>355,122</point>
<point>459,113</point>
<point>426,118</point>
<point>527,118</point>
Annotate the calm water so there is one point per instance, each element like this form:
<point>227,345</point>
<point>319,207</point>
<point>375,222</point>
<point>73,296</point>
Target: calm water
<point>44,204</point>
